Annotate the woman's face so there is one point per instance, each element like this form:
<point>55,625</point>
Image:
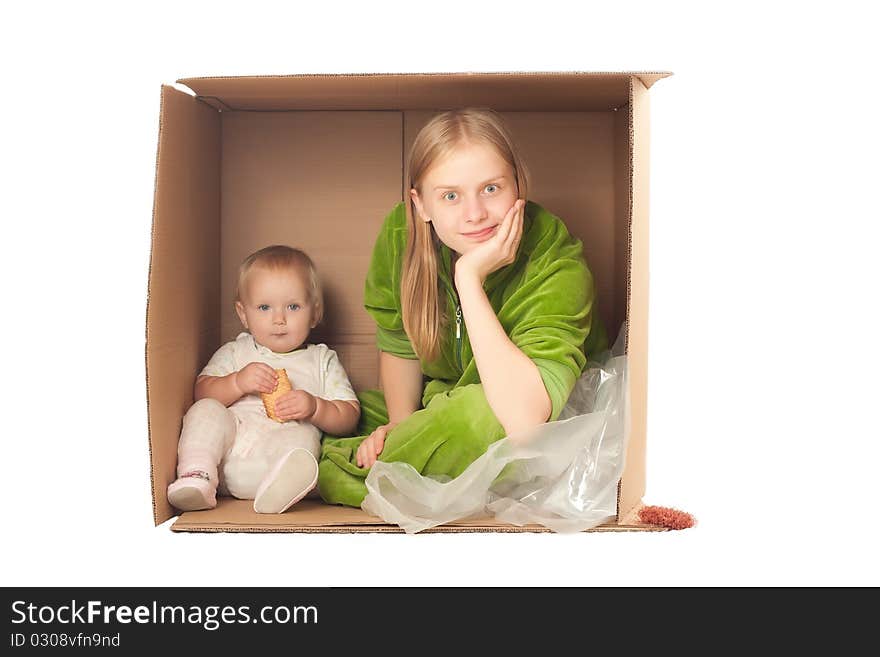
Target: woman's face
<point>466,195</point>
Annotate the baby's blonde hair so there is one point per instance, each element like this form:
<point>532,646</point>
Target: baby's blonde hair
<point>281,257</point>
<point>423,314</point>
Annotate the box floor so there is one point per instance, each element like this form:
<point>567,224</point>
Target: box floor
<point>313,517</point>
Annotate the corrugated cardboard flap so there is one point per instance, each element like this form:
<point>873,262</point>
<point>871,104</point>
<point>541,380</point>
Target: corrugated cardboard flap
<point>313,516</point>
<point>184,285</point>
<point>632,484</point>
<point>560,91</point>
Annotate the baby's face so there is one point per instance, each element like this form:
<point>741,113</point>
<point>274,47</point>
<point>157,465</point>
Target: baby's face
<point>276,308</point>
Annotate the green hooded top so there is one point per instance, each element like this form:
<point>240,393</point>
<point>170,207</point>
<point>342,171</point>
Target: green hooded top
<point>544,300</point>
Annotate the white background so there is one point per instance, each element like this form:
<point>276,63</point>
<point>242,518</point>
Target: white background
<point>763,330</point>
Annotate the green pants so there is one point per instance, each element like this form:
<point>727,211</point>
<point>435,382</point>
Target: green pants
<point>444,438</point>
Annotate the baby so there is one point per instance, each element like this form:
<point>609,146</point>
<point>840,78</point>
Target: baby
<point>227,438</point>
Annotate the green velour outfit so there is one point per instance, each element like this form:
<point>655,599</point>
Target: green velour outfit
<point>544,300</point>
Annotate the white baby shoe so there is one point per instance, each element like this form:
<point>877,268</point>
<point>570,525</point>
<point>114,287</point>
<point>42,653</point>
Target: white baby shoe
<point>294,475</point>
<point>193,491</point>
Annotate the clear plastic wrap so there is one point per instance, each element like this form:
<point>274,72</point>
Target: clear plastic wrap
<point>562,475</point>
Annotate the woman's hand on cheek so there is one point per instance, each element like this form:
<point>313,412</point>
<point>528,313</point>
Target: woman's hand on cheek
<point>296,405</point>
<point>496,252</point>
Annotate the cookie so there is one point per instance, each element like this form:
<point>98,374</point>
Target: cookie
<point>270,397</point>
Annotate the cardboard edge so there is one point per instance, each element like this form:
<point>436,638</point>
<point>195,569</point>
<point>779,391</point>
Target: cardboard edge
<point>627,133</point>
<point>629,214</point>
<point>157,520</point>
<point>314,516</point>
<point>631,488</point>
<point>209,89</point>
<point>648,77</point>
<point>184,527</point>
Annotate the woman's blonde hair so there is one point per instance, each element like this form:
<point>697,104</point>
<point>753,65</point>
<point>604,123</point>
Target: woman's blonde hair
<point>424,316</point>
<point>281,257</point>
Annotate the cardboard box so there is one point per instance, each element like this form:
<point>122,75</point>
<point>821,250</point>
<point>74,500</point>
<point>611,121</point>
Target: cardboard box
<point>317,162</point>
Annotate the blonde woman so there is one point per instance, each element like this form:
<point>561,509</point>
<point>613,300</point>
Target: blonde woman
<point>484,310</point>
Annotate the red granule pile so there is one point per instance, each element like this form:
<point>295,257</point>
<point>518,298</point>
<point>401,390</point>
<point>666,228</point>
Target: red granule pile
<point>666,517</point>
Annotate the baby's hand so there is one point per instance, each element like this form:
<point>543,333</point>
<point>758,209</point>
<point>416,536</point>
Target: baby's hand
<point>296,405</point>
<point>255,378</point>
